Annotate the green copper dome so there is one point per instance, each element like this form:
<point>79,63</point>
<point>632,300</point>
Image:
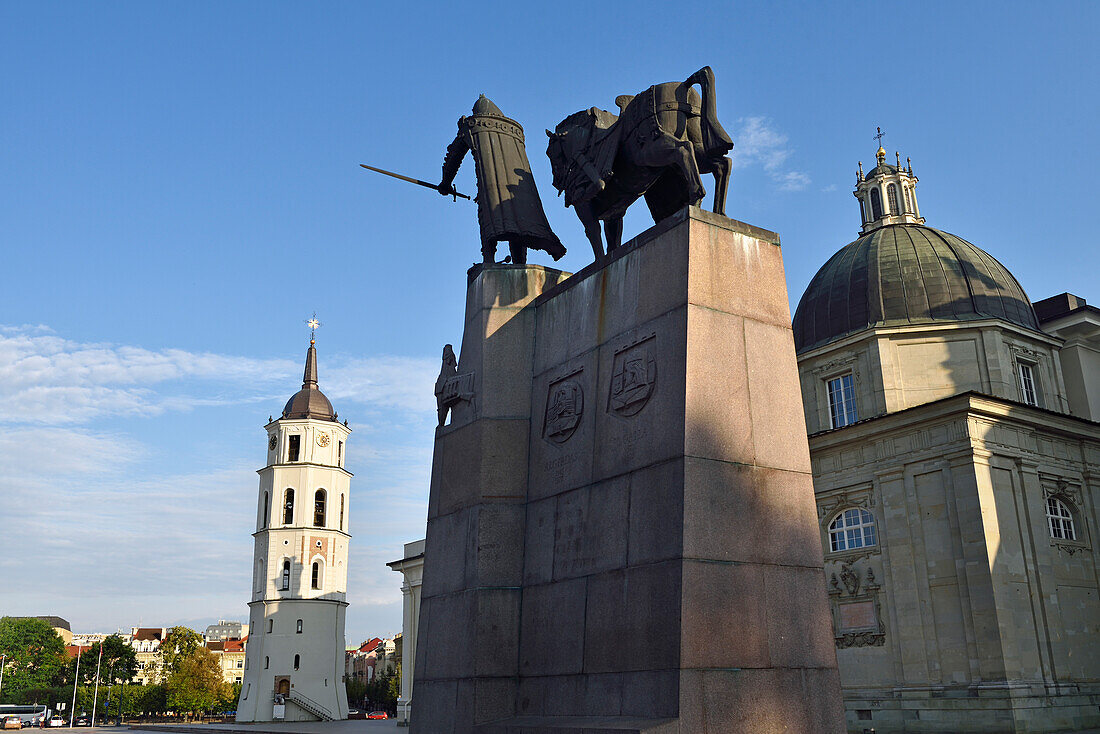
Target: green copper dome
<point>907,274</point>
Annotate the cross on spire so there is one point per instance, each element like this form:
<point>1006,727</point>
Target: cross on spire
<point>880,136</point>
<point>313,325</point>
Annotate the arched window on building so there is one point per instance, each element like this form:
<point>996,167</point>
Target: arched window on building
<point>852,528</point>
<point>297,661</point>
<point>319,508</point>
<point>267,661</point>
<point>876,204</point>
<point>892,197</point>
<point>263,519</point>
<point>316,577</point>
<point>288,507</point>
<point>298,629</point>
<point>862,212</point>
<point>286,575</point>
<point>259,574</point>
<point>341,512</point>
<point>909,200</point>
<point>1060,520</point>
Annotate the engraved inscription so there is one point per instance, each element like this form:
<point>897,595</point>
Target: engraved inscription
<point>633,378</point>
<point>564,406</point>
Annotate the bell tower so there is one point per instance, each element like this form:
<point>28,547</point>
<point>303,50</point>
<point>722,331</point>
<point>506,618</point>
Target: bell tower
<point>887,194</point>
<point>294,665</point>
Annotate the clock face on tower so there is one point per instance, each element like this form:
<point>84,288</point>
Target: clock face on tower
<point>272,441</point>
<point>322,439</point>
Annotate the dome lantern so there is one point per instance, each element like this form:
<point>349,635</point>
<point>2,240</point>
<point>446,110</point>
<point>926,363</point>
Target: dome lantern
<point>887,194</point>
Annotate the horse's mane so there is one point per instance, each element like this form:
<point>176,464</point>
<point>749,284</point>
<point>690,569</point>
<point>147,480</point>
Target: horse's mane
<point>577,119</point>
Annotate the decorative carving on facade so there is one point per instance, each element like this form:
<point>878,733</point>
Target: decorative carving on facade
<point>857,607</point>
<point>633,377</point>
<point>564,407</point>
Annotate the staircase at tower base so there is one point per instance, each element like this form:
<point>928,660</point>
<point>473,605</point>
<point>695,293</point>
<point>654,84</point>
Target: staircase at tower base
<point>308,704</point>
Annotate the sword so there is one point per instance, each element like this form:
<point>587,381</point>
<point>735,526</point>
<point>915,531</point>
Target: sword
<point>414,180</point>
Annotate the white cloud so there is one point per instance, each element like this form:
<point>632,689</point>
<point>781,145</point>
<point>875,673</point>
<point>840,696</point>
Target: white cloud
<point>758,143</point>
<point>393,382</point>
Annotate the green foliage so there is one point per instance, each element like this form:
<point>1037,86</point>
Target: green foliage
<point>228,701</point>
<point>34,657</point>
<point>382,691</point>
<point>196,683</point>
<point>147,700</point>
<point>119,663</point>
<point>356,690</point>
<point>178,645</point>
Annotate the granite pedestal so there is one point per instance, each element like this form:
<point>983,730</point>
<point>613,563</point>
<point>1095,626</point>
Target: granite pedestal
<point>622,534</point>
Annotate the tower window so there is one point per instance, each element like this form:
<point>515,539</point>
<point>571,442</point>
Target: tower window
<point>270,625</point>
<point>876,204</point>
<point>340,453</point>
<point>288,507</point>
<point>267,661</point>
<point>286,575</point>
<point>319,508</point>
<point>315,581</point>
<point>1060,520</point>
<point>259,575</point>
<point>263,520</point>
<point>295,447</point>
<point>852,528</point>
<point>298,629</point>
<point>1028,391</point>
<point>341,527</point>
<point>862,212</point>
<point>892,197</point>
<point>909,200</point>
<point>297,661</point>
<point>842,401</point>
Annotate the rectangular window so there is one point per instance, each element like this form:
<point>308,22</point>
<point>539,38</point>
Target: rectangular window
<point>270,624</point>
<point>295,448</point>
<point>842,401</point>
<point>340,453</point>
<point>1027,383</point>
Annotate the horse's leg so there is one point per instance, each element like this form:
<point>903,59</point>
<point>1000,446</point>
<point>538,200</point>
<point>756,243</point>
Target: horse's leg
<point>683,155</point>
<point>613,233</point>
<point>591,227</point>
<point>722,167</point>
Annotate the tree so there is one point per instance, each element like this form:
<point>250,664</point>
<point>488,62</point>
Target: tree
<point>196,684</point>
<point>228,701</point>
<point>177,645</point>
<point>34,656</point>
<point>119,662</point>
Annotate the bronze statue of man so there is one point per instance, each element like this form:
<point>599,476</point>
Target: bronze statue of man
<point>508,204</point>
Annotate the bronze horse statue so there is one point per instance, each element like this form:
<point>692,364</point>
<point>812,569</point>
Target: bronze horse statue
<point>657,147</point>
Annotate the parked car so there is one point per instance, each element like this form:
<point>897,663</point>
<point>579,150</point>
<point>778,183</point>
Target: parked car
<point>378,715</point>
<point>55,721</point>
<point>83,721</point>
<point>13,722</point>
<point>357,714</point>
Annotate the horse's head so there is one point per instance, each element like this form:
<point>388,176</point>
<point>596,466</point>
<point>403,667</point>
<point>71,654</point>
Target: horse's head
<point>559,164</point>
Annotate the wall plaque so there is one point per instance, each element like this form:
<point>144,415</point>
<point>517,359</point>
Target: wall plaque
<point>564,406</point>
<point>633,377</point>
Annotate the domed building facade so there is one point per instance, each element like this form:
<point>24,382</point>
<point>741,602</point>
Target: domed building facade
<point>956,478</point>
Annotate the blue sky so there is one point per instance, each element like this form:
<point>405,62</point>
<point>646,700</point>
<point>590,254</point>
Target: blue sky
<point>179,190</point>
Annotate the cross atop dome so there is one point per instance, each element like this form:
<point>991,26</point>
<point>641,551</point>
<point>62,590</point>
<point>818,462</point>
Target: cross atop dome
<point>886,194</point>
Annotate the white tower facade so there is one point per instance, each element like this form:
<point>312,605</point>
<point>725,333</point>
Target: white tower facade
<point>294,667</point>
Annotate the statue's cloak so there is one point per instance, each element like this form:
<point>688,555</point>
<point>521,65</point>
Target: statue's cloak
<point>508,203</point>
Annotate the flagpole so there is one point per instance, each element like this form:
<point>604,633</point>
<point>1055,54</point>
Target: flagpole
<point>76,679</point>
<point>95,698</point>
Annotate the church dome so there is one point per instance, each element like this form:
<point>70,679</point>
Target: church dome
<point>310,402</point>
<point>904,274</point>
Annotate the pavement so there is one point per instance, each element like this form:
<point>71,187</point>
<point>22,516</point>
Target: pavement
<point>347,726</point>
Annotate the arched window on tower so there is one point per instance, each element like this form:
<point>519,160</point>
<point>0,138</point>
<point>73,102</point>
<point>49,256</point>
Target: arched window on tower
<point>341,512</point>
<point>319,508</point>
<point>286,575</point>
<point>263,520</point>
<point>297,661</point>
<point>259,575</point>
<point>288,507</point>
<point>876,204</point>
<point>862,212</point>
<point>316,578</point>
<point>892,196</point>
<point>909,200</point>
